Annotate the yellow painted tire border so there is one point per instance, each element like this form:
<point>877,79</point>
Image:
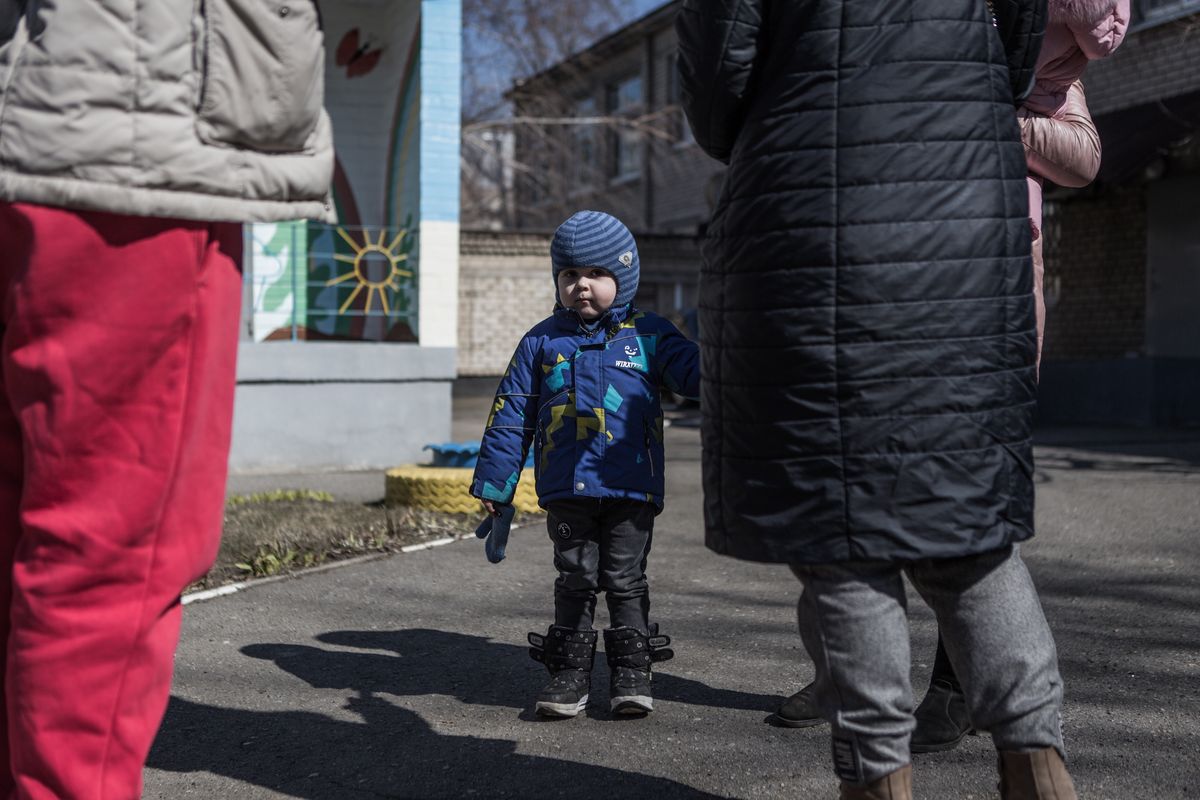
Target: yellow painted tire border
<point>447,489</point>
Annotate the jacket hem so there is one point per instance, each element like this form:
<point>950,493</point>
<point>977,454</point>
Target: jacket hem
<point>82,195</point>
<point>607,494</point>
<point>763,553</point>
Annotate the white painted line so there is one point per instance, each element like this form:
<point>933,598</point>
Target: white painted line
<point>412,548</point>
<point>328,565</point>
<point>209,594</point>
<point>231,588</point>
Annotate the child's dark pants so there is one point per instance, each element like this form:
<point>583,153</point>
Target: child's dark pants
<point>601,544</point>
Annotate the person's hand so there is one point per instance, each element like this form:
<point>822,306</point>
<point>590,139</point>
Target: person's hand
<point>494,530</point>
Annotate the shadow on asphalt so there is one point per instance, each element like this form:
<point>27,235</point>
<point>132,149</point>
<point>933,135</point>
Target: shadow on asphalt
<point>473,669</point>
<point>1128,647</point>
<point>393,752</point>
<point>1103,632</point>
<point>390,753</point>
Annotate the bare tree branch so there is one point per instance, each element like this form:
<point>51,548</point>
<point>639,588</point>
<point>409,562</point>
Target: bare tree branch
<point>509,40</point>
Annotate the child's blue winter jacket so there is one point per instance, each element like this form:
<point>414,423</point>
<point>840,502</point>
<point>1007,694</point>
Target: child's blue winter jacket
<point>588,400</point>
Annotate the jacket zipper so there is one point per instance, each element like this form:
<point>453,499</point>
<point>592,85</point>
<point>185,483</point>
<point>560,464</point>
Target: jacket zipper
<point>537,453</point>
<point>649,450</point>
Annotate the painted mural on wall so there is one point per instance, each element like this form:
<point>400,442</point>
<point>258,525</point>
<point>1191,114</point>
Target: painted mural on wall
<point>278,257</point>
<point>356,280</point>
<point>357,53</point>
<point>362,283</point>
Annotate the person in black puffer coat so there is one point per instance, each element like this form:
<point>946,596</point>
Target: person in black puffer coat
<point>868,349</point>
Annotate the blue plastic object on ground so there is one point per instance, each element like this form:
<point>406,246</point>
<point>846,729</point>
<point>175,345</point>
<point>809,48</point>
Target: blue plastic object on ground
<point>494,532</point>
<point>461,454</point>
<point>454,454</point>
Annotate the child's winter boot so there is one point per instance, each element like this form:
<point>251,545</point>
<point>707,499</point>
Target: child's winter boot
<point>630,653</point>
<point>569,655</point>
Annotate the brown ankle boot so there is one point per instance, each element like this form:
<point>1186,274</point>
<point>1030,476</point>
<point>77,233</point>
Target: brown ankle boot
<point>1040,775</point>
<point>893,786</point>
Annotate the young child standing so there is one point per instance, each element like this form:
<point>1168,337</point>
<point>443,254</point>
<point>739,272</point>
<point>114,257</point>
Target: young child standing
<point>583,390</point>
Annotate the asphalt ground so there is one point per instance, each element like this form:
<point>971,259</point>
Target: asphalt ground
<point>407,677</point>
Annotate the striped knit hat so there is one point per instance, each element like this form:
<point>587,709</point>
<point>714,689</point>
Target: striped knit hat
<point>596,239</point>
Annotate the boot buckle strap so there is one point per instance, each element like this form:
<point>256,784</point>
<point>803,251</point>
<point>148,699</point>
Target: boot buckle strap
<point>659,651</point>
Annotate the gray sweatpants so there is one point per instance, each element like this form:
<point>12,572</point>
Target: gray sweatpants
<point>854,625</point>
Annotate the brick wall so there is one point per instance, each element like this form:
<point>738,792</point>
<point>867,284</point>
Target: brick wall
<point>505,289</point>
<point>1096,246</point>
<point>441,78</point>
<point>1096,276</point>
<point>1156,62</point>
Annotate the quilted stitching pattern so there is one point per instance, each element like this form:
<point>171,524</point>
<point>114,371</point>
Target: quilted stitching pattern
<point>866,306</point>
<point>98,110</point>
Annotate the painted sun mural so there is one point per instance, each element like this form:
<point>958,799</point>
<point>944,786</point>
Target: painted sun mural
<point>362,284</point>
<point>361,275</point>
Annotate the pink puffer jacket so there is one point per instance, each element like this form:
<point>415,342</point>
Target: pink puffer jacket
<point>1064,149</point>
<point>1079,31</point>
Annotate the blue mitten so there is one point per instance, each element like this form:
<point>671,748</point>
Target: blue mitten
<point>494,532</point>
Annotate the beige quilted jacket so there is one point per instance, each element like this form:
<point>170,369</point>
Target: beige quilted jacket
<point>197,110</point>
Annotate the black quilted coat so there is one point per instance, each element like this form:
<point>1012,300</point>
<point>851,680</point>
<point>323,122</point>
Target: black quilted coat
<point>866,311</point>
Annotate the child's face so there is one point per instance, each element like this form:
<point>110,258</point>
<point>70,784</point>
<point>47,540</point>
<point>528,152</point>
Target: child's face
<point>588,290</point>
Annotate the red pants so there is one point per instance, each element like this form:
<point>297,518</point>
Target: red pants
<point>119,341</point>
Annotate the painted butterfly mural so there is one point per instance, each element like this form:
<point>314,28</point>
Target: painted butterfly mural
<point>358,58</point>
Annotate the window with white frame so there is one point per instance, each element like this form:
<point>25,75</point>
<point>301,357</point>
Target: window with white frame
<point>585,158</point>
<point>540,165</point>
<point>681,131</point>
<point>624,102</point>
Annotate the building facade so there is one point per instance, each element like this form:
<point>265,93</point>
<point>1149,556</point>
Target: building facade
<point>350,330</point>
<point>1123,256</point>
<point>604,130</point>
<point>601,130</point>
